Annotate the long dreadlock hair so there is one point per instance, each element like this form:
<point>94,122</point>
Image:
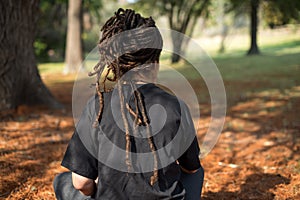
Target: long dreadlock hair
<point>135,52</point>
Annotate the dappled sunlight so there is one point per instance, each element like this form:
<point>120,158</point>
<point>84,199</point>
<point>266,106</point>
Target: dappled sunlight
<point>245,106</point>
<point>241,125</point>
<point>28,153</point>
<point>260,141</point>
<point>259,145</point>
<point>257,155</point>
<point>32,142</point>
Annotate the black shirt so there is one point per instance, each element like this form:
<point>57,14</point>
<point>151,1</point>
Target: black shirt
<point>100,152</point>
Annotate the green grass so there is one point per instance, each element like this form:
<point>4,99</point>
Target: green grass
<point>287,47</point>
<point>272,73</point>
<point>280,59</point>
<point>280,56</point>
<point>50,68</point>
<point>251,68</point>
<point>259,67</point>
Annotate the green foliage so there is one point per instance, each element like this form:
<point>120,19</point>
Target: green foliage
<point>275,12</point>
<point>50,38</point>
<point>182,17</point>
<point>279,12</point>
<point>272,15</point>
<point>93,7</point>
<point>181,14</point>
<point>90,39</point>
<point>52,27</point>
<point>40,48</point>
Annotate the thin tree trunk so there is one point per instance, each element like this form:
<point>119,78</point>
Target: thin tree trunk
<point>222,25</point>
<point>74,53</point>
<point>185,42</point>
<point>253,29</point>
<point>20,82</point>
<point>180,17</point>
<point>177,45</point>
<point>180,26</point>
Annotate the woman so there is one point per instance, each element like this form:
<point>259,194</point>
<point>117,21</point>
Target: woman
<point>134,140</point>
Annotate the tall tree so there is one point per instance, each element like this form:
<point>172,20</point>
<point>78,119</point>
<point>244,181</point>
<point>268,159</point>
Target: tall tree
<point>254,5</point>
<point>74,55</point>
<point>80,14</point>
<point>20,82</point>
<point>289,9</point>
<point>182,17</point>
<point>250,7</point>
<point>223,27</point>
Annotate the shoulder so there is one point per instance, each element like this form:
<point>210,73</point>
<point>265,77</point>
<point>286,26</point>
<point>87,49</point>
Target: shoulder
<point>157,94</point>
<point>90,107</point>
<point>92,102</point>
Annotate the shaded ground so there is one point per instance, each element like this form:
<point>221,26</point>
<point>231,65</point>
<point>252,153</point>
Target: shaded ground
<point>257,156</point>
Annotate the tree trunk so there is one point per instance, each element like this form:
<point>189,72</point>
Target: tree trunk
<point>74,53</point>
<point>20,82</point>
<point>180,15</point>
<point>222,25</point>
<point>253,29</point>
<point>190,31</point>
<point>177,45</point>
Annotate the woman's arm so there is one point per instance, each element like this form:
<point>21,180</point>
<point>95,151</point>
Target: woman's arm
<point>85,185</point>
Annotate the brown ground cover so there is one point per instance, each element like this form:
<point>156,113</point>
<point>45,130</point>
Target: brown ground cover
<point>257,155</point>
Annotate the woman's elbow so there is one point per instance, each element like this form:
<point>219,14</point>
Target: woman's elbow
<point>83,184</point>
<point>78,185</point>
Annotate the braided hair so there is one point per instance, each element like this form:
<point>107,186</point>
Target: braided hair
<point>120,56</point>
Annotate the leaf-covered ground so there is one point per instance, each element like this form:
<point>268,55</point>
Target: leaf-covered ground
<point>257,155</point>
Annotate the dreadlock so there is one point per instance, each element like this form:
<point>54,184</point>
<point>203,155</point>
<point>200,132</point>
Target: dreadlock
<point>134,53</point>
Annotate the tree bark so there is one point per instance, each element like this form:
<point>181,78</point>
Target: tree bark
<point>253,27</point>
<point>179,23</point>
<point>20,82</point>
<point>222,25</point>
<point>177,40</point>
<point>74,53</point>
<point>180,15</point>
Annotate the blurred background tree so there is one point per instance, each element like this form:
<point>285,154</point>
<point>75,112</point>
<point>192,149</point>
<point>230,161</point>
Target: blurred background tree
<point>182,17</point>
<point>20,82</point>
<point>50,44</point>
<point>79,19</point>
<point>275,12</point>
<point>74,51</point>
<point>280,12</point>
<point>51,31</point>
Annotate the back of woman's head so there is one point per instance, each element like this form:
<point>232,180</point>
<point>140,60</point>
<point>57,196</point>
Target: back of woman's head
<point>129,41</point>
